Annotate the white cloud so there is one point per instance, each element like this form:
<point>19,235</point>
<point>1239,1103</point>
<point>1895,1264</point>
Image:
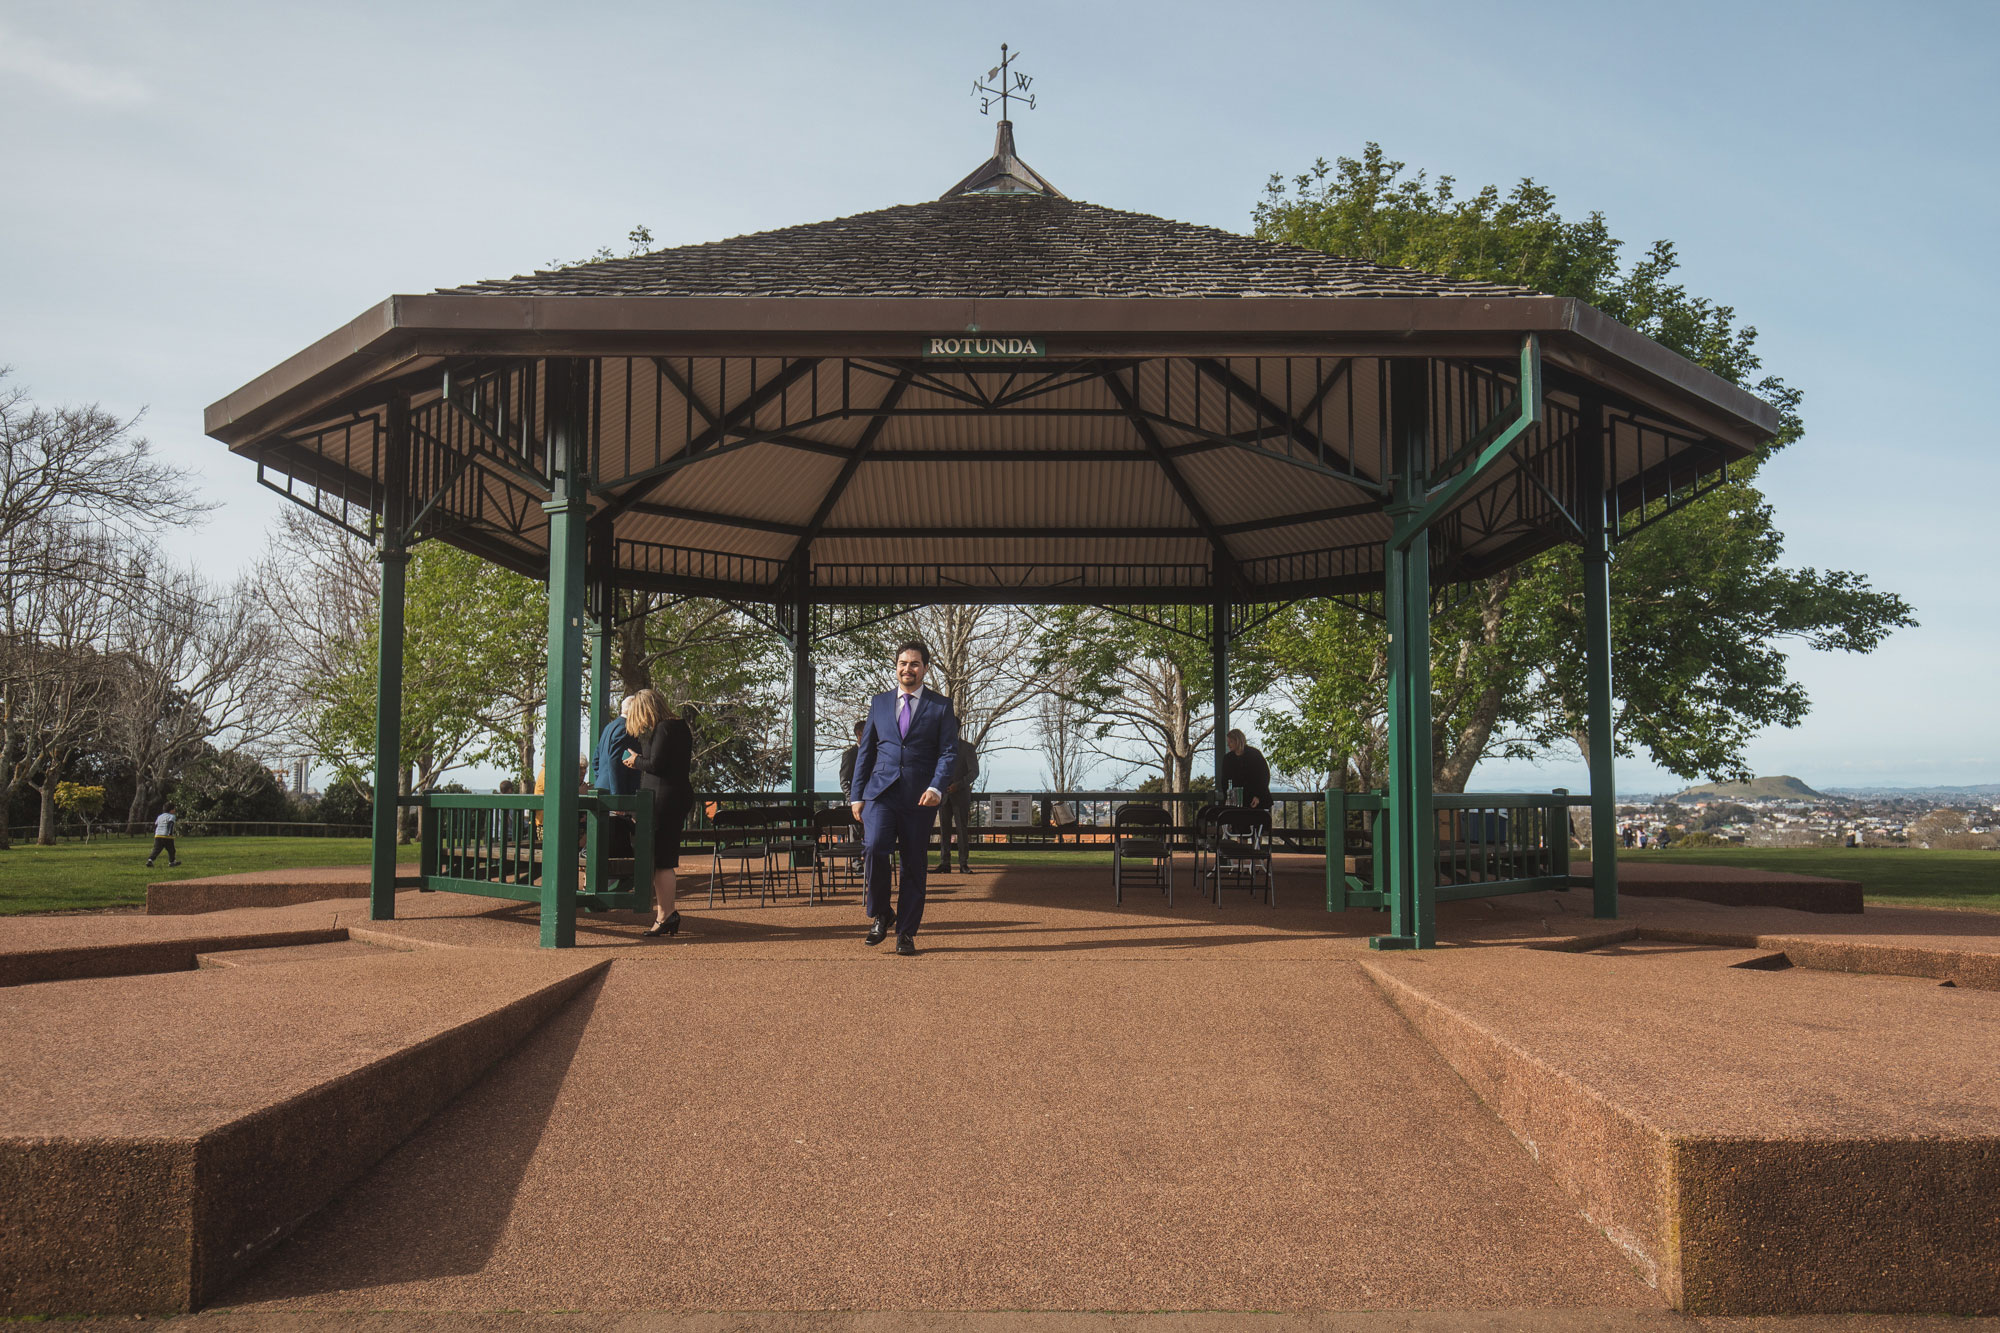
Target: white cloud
<point>35,60</point>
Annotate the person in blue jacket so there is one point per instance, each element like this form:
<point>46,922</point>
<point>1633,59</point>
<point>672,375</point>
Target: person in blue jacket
<point>611,773</point>
<point>907,758</point>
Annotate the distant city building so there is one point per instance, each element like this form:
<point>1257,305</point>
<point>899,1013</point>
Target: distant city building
<point>1007,808</point>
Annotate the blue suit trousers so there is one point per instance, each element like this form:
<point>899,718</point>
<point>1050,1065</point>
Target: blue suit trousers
<point>890,823</point>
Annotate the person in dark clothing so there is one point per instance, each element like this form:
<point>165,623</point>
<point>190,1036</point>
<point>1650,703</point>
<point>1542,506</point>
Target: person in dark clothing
<point>611,773</point>
<point>957,809</point>
<point>848,756</point>
<point>664,761</point>
<point>1244,767</point>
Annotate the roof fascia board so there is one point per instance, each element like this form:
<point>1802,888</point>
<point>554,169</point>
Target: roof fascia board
<point>352,353</point>
<point>1620,344</point>
<point>395,330</point>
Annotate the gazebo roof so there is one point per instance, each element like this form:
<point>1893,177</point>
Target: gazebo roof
<point>999,394</point>
<point>991,247</point>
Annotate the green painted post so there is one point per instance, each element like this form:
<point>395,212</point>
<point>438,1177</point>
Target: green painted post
<point>1411,830</point>
<point>1596,520</point>
<point>1336,848</point>
<point>805,686</point>
<point>1420,784</point>
<point>389,664</point>
<point>602,608</point>
<point>1392,827</point>
<point>1218,665</point>
<point>569,512</point>
<point>388,736</point>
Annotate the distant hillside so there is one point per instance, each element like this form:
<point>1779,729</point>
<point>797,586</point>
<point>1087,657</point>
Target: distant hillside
<point>1780,788</point>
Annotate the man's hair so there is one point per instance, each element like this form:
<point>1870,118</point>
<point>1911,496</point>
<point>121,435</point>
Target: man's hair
<point>915,646</point>
<point>168,808</point>
<point>861,723</point>
<point>1235,735</point>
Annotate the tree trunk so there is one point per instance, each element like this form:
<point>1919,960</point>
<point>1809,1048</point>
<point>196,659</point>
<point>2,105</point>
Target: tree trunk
<point>136,813</point>
<point>527,747</point>
<point>46,836</point>
<point>635,668</point>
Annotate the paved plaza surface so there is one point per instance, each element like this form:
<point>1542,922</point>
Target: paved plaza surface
<point>1061,1105</point>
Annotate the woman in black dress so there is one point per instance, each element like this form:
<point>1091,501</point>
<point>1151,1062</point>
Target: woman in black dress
<point>666,752</point>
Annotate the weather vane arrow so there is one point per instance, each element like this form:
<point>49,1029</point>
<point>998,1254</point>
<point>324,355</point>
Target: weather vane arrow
<point>1002,83</point>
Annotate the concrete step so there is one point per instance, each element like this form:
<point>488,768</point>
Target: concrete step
<point>294,953</point>
<point>160,1133</point>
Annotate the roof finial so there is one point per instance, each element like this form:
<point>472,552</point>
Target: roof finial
<point>1003,83</point>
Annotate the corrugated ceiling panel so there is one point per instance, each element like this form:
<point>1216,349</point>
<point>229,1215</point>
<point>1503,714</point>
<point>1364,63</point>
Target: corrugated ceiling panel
<point>704,536</point>
<point>1240,486</point>
<point>1308,537</point>
<point>1010,550</point>
<point>765,481</point>
<point>1009,494</point>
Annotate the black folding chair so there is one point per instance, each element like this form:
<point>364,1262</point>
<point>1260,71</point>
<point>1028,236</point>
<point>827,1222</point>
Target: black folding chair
<point>837,848</point>
<point>739,836</point>
<point>1142,847</point>
<point>790,850</point>
<point>1242,850</point>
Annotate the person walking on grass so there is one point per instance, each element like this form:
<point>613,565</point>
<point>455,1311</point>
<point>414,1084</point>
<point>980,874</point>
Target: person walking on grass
<point>163,836</point>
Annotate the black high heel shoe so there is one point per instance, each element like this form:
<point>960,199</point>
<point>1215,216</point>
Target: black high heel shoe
<point>670,926</point>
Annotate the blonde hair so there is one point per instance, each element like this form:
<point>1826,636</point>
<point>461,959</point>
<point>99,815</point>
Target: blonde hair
<point>644,711</point>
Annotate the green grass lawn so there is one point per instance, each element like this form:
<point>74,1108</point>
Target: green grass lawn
<point>1887,875</point>
<point>111,872</point>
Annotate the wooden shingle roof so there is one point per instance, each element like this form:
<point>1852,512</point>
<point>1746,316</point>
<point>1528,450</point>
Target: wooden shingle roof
<point>990,246</point>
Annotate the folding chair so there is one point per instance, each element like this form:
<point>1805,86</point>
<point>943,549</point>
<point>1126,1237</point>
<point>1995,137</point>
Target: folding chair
<point>837,848</point>
<point>789,850</point>
<point>1242,849</point>
<point>733,841</point>
<point>1141,836</point>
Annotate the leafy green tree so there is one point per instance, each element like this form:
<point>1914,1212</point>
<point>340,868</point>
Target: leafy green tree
<point>1144,683</point>
<point>730,675</point>
<point>473,674</point>
<point>1703,608</point>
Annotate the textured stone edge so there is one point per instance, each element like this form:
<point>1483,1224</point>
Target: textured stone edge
<point>1889,1226</point>
<point>196,897</point>
<point>1610,1162</point>
<point>132,958</point>
<point>147,1226</point>
<point>1744,1226</point>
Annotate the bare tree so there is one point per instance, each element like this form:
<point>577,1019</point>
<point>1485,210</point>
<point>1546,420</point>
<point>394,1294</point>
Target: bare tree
<point>196,669</point>
<point>981,657</point>
<point>1062,725</point>
<point>78,468</point>
<point>57,679</point>
<point>76,484</point>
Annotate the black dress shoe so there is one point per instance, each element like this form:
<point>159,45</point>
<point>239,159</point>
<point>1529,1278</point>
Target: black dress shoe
<point>880,930</point>
<point>906,946</point>
<point>944,869</point>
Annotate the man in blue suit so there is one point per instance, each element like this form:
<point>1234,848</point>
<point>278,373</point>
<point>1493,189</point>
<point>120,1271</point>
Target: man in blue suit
<point>908,755</point>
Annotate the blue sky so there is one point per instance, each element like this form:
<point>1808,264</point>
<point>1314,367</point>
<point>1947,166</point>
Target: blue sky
<point>194,191</point>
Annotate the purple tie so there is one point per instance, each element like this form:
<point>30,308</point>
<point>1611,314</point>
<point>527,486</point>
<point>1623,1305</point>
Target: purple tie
<point>903,716</point>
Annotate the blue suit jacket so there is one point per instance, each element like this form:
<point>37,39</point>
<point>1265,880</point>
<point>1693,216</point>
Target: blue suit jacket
<point>927,757</point>
<point>612,747</point>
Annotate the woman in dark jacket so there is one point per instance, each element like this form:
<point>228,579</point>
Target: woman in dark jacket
<point>666,752</point>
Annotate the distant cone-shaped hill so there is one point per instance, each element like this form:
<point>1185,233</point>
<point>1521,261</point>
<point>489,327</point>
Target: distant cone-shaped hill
<point>1783,787</point>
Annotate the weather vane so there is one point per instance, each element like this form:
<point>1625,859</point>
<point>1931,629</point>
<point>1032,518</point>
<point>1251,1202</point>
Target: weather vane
<point>1003,83</point>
